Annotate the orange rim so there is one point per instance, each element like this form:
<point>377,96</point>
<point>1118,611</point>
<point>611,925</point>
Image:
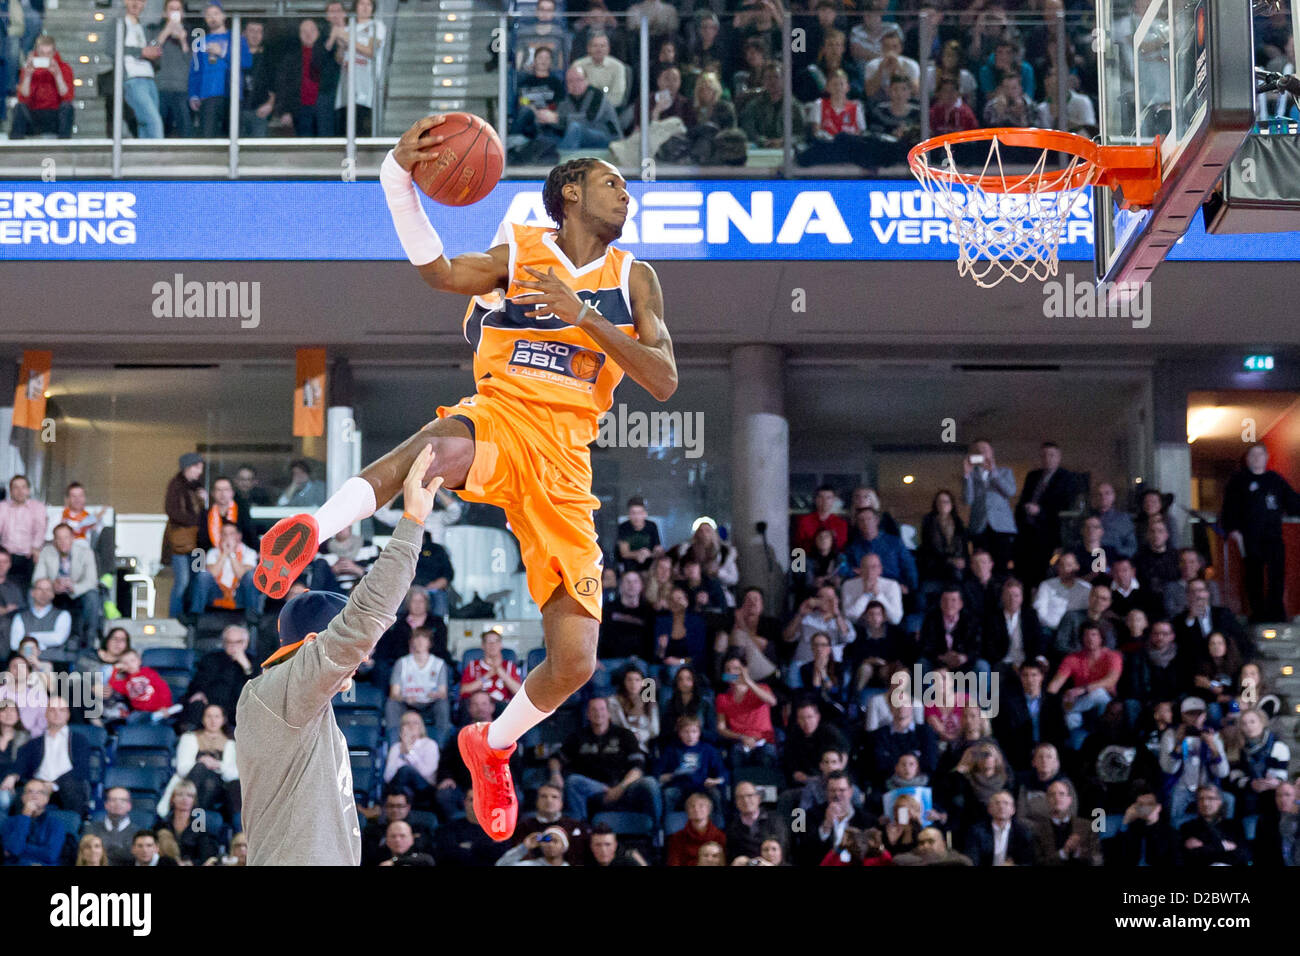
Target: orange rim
<point>1133,170</point>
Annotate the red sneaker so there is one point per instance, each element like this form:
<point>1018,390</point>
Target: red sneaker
<point>286,549</point>
<point>495,805</point>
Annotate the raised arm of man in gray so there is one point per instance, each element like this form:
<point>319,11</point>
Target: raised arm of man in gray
<point>294,766</point>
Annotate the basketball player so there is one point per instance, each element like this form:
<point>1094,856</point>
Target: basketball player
<point>557,317</point>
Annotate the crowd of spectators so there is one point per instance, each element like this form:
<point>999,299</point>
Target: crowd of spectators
<point>1042,678</point>
<point>856,79</point>
<point>293,80</point>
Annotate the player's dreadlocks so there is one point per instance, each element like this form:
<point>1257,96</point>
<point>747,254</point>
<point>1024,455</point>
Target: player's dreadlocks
<point>574,171</point>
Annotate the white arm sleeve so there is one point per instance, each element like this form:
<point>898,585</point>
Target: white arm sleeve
<point>419,240</point>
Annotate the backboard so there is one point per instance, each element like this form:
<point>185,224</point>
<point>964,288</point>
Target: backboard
<point>1180,72</point>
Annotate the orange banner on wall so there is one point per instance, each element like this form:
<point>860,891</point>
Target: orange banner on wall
<point>29,396</point>
<point>309,394</point>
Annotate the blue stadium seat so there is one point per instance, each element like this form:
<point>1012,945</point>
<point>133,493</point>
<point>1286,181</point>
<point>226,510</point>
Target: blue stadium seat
<point>68,819</point>
<point>142,780</point>
<point>674,822</point>
<point>762,777</point>
<point>360,697</point>
<point>361,736</point>
<point>427,818</point>
<point>97,737</point>
<point>476,653</point>
<point>146,736</point>
<point>178,680</point>
<point>172,658</point>
<point>157,758</point>
<point>364,777</point>
<point>536,656</point>
<point>626,824</point>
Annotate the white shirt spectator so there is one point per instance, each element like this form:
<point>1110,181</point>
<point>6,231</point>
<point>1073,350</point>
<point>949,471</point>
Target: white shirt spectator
<point>136,66</point>
<point>610,77</point>
<point>423,758</point>
<point>812,624</point>
<point>887,592</point>
<point>187,755</point>
<point>56,635</point>
<point>222,567</point>
<point>1001,837</point>
<point>1079,112</point>
<point>1053,600</point>
<point>1015,640</point>
<point>906,66</point>
<point>417,684</point>
<point>57,760</point>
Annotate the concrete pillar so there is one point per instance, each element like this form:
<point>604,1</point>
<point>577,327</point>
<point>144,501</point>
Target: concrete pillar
<point>1173,472</point>
<point>760,468</point>
<point>342,436</point>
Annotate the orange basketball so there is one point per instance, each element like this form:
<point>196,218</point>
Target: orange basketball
<point>584,364</point>
<point>468,165</point>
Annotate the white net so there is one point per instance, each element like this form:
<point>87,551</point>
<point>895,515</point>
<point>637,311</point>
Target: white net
<point>1015,230</point>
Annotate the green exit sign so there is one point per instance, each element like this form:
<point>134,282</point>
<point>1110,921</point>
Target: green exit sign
<point>1258,363</point>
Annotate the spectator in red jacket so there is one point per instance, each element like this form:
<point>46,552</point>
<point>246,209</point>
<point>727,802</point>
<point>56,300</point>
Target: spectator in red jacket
<point>950,113</point>
<point>684,845</point>
<point>143,687</point>
<point>806,528</point>
<point>44,93</point>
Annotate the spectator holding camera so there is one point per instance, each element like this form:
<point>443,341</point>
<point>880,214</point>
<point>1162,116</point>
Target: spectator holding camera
<point>172,70</point>
<point>45,92</point>
<point>547,848</point>
<point>1194,755</point>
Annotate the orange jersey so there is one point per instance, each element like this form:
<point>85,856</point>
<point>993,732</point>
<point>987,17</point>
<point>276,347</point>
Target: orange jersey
<point>566,381</point>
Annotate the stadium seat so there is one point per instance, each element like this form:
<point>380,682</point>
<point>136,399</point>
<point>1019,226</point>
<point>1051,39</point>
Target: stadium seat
<point>361,736</point>
<point>171,658</point>
<point>145,736</point>
<point>364,777</point>
<point>157,758</point>
<point>673,822</point>
<point>97,737</point>
<point>626,824</point>
<point>147,807</point>
<point>769,782</point>
<point>535,657</point>
<point>360,697</point>
<point>427,818</point>
<point>178,680</point>
<point>142,780</point>
<point>68,819</point>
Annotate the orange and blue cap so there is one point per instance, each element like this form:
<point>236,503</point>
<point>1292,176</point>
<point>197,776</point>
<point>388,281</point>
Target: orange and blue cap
<point>303,616</point>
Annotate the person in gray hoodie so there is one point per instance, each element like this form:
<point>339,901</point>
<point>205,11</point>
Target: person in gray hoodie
<point>294,768</point>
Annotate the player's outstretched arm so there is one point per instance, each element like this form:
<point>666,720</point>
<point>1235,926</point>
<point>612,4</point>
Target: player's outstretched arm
<point>469,274</point>
<point>648,358</point>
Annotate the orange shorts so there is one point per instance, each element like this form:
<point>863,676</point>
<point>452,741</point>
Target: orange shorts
<point>549,505</point>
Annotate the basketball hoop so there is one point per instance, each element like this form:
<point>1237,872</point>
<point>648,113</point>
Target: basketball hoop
<point>1010,224</point>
